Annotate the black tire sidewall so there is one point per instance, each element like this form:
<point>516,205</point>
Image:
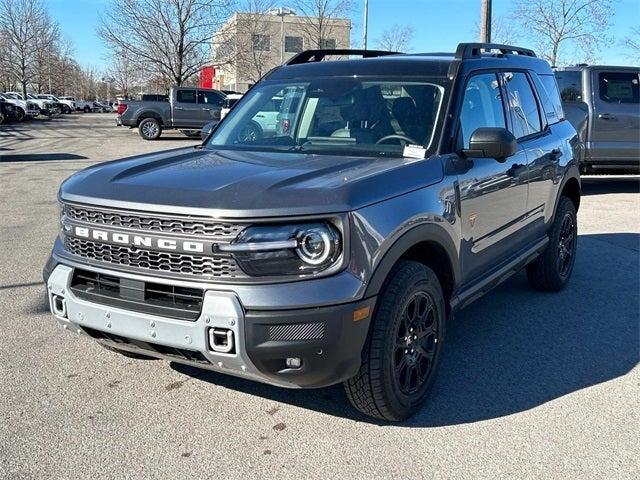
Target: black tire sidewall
<point>422,279</point>
<point>565,207</point>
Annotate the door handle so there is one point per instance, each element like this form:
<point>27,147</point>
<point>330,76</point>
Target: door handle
<point>606,116</point>
<point>555,154</point>
<point>178,108</point>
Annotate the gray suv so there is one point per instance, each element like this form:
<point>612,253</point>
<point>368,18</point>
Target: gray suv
<point>335,247</point>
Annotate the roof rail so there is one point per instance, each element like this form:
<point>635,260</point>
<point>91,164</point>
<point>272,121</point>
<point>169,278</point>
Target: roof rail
<point>318,55</point>
<point>474,50</point>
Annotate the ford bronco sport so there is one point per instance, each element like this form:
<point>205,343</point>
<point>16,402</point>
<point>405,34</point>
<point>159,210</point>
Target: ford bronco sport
<point>335,248</point>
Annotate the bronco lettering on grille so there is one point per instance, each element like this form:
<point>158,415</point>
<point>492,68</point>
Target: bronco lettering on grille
<point>158,243</point>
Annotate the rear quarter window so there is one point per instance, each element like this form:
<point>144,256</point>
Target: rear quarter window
<point>552,104</point>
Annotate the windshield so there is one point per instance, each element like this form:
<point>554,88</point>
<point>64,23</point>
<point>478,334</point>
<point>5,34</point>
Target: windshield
<point>13,95</point>
<point>348,116</point>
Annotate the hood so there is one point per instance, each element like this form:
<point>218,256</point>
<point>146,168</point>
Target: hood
<point>235,184</point>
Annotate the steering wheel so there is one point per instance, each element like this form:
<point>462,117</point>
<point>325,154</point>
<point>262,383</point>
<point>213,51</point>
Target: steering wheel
<point>397,136</point>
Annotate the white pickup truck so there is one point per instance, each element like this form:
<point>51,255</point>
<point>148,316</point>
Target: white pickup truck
<point>80,105</point>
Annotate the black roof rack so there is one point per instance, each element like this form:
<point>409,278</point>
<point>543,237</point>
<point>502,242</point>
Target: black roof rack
<point>474,50</point>
<point>318,55</point>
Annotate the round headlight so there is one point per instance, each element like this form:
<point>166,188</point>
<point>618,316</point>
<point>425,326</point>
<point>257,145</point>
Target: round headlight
<point>314,246</point>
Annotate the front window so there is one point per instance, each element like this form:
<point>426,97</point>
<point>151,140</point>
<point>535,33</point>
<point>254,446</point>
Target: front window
<point>344,116</point>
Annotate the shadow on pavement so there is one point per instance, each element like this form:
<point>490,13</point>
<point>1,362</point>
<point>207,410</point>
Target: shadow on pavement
<point>515,349</point>
<point>40,157</point>
<point>603,185</point>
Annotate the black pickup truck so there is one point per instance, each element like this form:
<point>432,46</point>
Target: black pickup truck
<point>187,109</point>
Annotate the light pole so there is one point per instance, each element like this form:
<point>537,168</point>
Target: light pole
<point>366,23</point>
<point>485,22</point>
<point>282,12</point>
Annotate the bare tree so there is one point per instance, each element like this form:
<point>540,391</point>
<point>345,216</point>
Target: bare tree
<point>560,24</point>
<point>319,19</point>
<point>125,72</point>
<point>398,38</point>
<point>172,36</point>
<point>27,30</point>
<point>632,44</point>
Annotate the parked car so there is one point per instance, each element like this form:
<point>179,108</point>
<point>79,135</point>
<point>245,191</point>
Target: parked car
<point>7,111</point>
<point>229,101</point>
<point>65,105</point>
<point>80,105</point>
<point>24,109</point>
<point>188,109</point>
<point>337,251</point>
<point>45,107</point>
<point>103,107</point>
<point>603,104</point>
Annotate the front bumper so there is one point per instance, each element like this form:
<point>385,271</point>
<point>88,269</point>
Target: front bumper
<point>32,112</point>
<point>327,340</point>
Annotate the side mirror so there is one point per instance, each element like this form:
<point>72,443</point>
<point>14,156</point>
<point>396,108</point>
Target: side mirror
<point>207,129</point>
<point>491,142</point>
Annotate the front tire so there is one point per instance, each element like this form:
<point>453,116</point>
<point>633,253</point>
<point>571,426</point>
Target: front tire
<point>87,109</point>
<point>403,348</point>
<point>551,271</point>
<point>66,109</point>
<point>150,129</point>
<point>20,115</point>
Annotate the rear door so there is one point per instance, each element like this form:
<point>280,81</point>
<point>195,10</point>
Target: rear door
<point>615,129</point>
<point>186,112</point>
<point>210,104</point>
<point>530,110</point>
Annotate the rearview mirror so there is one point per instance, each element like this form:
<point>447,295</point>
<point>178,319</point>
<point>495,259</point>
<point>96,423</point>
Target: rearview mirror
<point>491,142</point>
<point>207,129</point>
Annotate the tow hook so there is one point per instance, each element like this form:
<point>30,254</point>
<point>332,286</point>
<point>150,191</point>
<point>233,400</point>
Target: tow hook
<point>221,340</point>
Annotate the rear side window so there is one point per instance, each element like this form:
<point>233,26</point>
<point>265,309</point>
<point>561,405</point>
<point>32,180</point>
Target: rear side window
<point>619,87</point>
<point>210,98</point>
<point>481,106</point>
<point>186,96</point>
<point>570,85</point>
<point>523,107</point>
<point>550,87</point>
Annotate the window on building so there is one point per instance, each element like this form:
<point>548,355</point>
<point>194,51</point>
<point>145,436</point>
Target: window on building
<point>523,106</point>
<point>261,42</point>
<point>328,43</point>
<point>293,44</point>
<point>619,87</point>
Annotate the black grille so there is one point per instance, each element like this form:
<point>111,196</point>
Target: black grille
<point>183,303</point>
<point>157,223</point>
<point>177,353</point>
<point>214,266</point>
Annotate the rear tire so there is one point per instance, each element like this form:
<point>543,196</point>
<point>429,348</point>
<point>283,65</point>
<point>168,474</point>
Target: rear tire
<point>87,109</point>
<point>149,128</point>
<point>551,271</point>
<point>137,356</point>
<point>401,354</point>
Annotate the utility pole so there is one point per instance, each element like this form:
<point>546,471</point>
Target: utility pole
<point>366,23</point>
<point>485,22</point>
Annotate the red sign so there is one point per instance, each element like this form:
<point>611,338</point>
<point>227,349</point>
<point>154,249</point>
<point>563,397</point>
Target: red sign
<point>206,77</point>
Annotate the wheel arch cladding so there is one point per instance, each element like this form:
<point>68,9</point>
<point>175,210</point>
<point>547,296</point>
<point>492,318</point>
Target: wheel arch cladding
<point>426,244</point>
<point>144,115</point>
<point>571,189</point>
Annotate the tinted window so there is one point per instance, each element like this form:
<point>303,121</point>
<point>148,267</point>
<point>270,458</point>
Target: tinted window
<point>523,107</point>
<point>186,96</point>
<point>261,42</point>
<point>570,85</point>
<point>209,98</point>
<point>293,44</point>
<point>550,87</point>
<point>482,106</point>
<point>619,87</point>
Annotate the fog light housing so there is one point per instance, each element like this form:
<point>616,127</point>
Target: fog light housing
<point>293,362</point>
<point>59,306</point>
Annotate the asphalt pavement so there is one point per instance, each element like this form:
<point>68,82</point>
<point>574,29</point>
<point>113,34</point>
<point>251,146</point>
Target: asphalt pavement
<point>531,385</point>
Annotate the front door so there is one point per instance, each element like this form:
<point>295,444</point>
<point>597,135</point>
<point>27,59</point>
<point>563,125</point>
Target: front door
<point>210,104</point>
<point>493,194</point>
<point>615,129</point>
